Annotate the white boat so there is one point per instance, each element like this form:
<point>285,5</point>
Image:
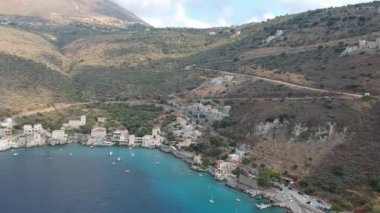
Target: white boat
<point>118,159</point>
<point>212,198</point>
<point>110,154</point>
<point>130,147</point>
<point>127,171</point>
<point>15,154</point>
<point>237,199</point>
<point>12,150</point>
<point>91,146</point>
<point>133,154</point>
<point>262,206</point>
<point>71,154</point>
<point>200,175</point>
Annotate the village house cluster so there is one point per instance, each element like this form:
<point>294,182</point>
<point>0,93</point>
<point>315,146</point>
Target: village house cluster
<point>277,35</point>
<point>100,137</point>
<point>186,133</point>
<point>36,135</point>
<point>208,113</point>
<point>222,79</point>
<point>362,45</point>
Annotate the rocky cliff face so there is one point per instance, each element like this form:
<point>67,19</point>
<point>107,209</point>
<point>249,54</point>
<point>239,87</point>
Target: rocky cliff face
<point>288,131</point>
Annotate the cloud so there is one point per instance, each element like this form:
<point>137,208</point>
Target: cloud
<point>213,13</point>
<point>302,5</point>
<point>163,13</point>
<point>262,17</point>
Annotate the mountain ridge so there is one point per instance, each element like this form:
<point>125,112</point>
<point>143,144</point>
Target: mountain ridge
<point>88,11</point>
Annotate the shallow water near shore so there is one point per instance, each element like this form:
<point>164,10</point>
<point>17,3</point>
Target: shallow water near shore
<point>74,178</point>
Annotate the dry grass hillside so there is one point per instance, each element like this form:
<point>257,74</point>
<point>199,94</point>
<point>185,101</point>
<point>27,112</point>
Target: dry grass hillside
<point>31,46</point>
<point>89,11</point>
<point>137,48</point>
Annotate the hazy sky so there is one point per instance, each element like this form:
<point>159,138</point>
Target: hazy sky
<point>207,13</point>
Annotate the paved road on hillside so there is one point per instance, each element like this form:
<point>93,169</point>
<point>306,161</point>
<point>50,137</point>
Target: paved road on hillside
<point>291,85</point>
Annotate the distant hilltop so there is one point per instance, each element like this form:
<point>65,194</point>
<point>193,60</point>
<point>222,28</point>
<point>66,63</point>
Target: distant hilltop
<point>61,11</point>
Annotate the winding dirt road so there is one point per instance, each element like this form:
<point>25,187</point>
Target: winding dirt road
<point>291,85</point>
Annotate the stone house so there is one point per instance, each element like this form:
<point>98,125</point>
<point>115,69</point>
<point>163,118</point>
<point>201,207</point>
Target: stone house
<point>224,168</point>
<point>99,133</point>
<point>131,140</point>
<point>186,143</point>
<point>153,140</point>
<point>35,140</point>
<point>234,158</point>
<point>5,132</point>
<point>59,135</point>
<point>30,130</point>
<point>102,119</point>
<point>120,136</point>
<point>75,124</point>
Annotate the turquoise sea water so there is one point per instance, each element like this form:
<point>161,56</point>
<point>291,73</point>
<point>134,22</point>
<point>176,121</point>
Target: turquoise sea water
<point>49,179</point>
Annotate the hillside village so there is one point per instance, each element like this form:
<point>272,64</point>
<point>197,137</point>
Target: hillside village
<point>362,46</point>
<point>186,133</point>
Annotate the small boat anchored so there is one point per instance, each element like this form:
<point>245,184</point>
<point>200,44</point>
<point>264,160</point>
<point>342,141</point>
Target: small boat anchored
<point>15,154</point>
<point>110,154</point>
<point>133,154</point>
<point>262,206</point>
<point>212,198</point>
<point>118,159</point>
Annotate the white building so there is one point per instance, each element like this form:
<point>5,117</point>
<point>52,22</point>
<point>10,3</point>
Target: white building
<point>362,45</point>
<point>153,140</point>
<point>38,128</point>
<point>198,110</point>
<point>197,159</point>
<point>120,136</point>
<point>35,140</point>
<point>99,133</point>
<point>7,123</point>
<point>30,130</point>
<point>224,168</point>
<point>186,143</point>
<point>131,140</point>
<point>5,132</point>
<point>277,35</point>
<point>234,158</point>
<point>59,135</point>
<point>102,120</point>
<point>75,124</point>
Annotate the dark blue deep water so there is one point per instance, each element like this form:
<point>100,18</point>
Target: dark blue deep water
<point>49,179</point>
